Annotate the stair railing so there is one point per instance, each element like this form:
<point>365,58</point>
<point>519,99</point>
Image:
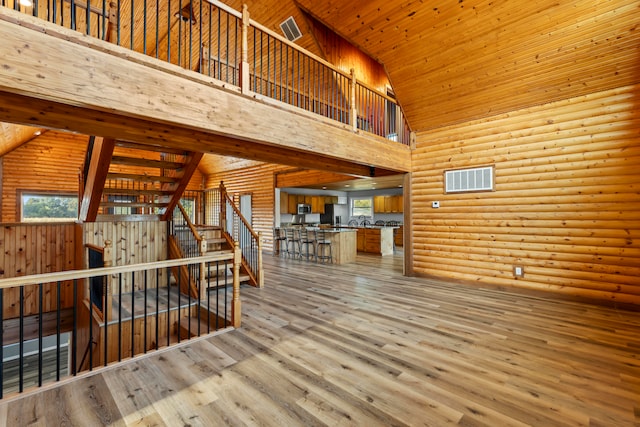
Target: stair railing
<point>190,240</point>
<point>236,228</point>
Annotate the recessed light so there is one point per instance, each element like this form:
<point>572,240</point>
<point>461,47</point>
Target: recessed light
<point>324,188</point>
<point>347,185</point>
<point>37,133</point>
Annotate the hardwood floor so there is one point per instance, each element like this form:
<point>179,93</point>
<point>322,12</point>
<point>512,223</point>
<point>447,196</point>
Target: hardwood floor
<point>359,344</point>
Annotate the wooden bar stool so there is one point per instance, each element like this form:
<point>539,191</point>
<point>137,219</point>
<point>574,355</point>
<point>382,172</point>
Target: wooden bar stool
<point>307,239</point>
<point>322,244</point>
<point>279,242</point>
<point>293,243</point>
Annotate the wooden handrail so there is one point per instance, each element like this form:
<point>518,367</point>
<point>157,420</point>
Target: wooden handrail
<point>35,279</point>
<point>192,227</point>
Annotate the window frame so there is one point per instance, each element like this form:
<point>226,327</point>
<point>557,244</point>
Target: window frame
<point>21,193</point>
<point>352,203</point>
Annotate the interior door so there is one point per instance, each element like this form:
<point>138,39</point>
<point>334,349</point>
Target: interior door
<point>245,207</point>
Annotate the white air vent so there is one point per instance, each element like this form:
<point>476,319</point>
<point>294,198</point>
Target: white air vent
<point>290,29</point>
<point>474,179</point>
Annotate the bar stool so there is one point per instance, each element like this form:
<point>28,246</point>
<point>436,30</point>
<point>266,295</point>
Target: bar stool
<point>307,238</point>
<point>279,242</point>
<point>322,244</point>
<point>293,242</point>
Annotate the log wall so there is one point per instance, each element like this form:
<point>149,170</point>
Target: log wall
<point>566,205</point>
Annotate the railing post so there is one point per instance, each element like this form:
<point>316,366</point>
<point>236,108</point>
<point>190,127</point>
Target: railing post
<point>223,207</point>
<point>236,311</point>
<point>353,111</point>
<point>107,261</point>
<point>260,270</point>
<point>203,279</point>
<point>245,85</point>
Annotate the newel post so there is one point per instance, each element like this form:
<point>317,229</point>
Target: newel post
<point>236,311</point>
<point>107,261</point>
<point>353,111</point>
<point>260,270</point>
<point>244,64</point>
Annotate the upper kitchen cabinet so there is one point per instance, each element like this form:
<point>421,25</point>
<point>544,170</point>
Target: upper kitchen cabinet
<point>388,204</point>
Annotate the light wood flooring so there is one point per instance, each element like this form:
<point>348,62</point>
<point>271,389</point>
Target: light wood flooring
<point>361,345</point>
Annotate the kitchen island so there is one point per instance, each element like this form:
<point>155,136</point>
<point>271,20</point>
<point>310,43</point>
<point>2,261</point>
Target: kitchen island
<point>343,244</point>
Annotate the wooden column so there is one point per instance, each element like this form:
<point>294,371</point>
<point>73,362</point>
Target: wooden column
<point>260,269</point>
<point>236,312</point>
<point>244,64</point>
<point>107,260</point>
<point>353,110</point>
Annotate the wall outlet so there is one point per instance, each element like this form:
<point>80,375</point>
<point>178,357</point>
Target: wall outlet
<point>518,271</point>
<point>435,205</point>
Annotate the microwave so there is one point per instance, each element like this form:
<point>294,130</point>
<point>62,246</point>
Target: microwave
<point>303,208</point>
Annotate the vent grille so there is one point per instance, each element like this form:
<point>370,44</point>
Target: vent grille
<point>474,179</point>
<point>290,29</point>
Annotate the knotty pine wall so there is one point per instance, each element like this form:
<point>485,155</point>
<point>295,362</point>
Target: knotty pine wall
<point>132,242</point>
<point>566,204</point>
<point>34,249</point>
<point>259,181</point>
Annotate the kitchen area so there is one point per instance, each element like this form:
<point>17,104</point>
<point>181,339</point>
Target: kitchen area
<point>365,221</point>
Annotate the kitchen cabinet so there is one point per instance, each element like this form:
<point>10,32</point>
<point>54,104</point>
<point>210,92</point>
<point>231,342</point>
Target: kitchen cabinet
<point>317,204</point>
<point>377,240</point>
<point>388,204</point>
<point>293,204</point>
<point>284,202</point>
<point>360,240</point>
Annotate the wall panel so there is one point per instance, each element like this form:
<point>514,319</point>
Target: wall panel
<point>566,204</point>
<point>27,249</point>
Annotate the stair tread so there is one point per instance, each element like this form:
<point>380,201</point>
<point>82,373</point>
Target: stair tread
<point>141,177</point>
<point>150,163</point>
<point>136,192</point>
<point>133,204</point>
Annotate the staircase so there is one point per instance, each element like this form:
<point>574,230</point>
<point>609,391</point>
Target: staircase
<point>133,181</point>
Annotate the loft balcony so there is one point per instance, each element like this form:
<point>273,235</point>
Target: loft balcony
<point>202,77</point>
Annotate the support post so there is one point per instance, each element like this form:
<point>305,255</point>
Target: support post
<point>353,110</point>
<point>107,261</point>
<point>245,83</point>
<point>260,269</point>
<point>236,311</point>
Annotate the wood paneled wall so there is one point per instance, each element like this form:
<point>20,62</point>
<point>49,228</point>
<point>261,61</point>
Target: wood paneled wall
<point>259,182</point>
<point>566,204</point>
<point>34,249</point>
<point>133,242</point>
<point>50,162</point>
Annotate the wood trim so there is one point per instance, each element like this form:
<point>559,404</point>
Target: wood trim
<point>407,244</point>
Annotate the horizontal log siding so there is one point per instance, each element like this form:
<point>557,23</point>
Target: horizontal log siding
<point>35,249</point>
<point>566,205</point>
<point>259,181</point>
<point>50,162</point>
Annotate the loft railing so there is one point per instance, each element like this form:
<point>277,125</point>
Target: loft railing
<point>142,311</point>
<point>211,38</point>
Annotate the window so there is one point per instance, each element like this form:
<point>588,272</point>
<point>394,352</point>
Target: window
<point>189,206</point>
<point>472,179</point>
<point>362,206</point>
<point>48,207</point>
